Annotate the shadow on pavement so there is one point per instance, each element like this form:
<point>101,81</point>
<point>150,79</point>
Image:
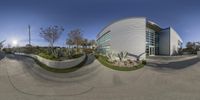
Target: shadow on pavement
<point>174,65</point>
<point>90,59</point>
<point>15,57</point>
<point>2,55</point>
<point>86,69</point>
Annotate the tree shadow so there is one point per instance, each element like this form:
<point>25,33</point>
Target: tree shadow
<point>15,57</point>
<point>136,56</point>
<point>174,65</point>
<point>84,70</point>
<point>82,74</point>
<point>91,58</point>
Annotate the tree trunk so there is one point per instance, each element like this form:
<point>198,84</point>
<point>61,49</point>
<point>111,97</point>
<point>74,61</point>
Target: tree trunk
<point>77,46</point>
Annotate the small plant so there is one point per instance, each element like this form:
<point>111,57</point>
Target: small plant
<point>71,52</point>
<point>122,55</point>
<point>55,53</point>
<point>110,56</point>
<point>47,56</point>
<point>144,62</point>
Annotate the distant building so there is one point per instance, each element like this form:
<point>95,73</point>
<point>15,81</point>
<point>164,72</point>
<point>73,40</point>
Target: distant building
<point>139,37</point>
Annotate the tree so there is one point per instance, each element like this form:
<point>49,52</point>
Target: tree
<point>189,45</point>
<point>1,44</point>
<point>92,43</point>
<point>51,34</point>
<point>85,43</point>
<point>192,47</point>
<point>76,36</point>
<point>69,42</point>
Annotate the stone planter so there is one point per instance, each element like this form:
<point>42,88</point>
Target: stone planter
<point>57,64</point>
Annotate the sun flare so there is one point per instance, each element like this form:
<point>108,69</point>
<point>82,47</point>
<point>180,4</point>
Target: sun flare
<point>14,42</point>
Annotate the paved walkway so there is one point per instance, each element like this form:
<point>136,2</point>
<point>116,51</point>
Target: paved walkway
<point>22,79</point>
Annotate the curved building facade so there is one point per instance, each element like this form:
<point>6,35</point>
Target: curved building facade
<point>139,37</point>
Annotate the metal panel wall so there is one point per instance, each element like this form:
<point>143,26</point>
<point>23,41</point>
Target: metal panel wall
<point>164,42</point>
<point>174,39</point>
<point>128,35</point>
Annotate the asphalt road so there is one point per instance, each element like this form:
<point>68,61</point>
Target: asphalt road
<point>22,79</point>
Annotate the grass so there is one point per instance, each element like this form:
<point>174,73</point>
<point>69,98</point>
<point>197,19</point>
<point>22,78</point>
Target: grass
<point>103,60</point>
<point>56,70</point>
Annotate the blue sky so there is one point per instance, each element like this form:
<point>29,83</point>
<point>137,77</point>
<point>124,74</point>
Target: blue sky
<point>92,15</point>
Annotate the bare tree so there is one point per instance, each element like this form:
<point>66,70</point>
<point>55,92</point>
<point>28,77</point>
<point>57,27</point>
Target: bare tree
<point>1,44</point>
<point>69,42</point>
<point>189,45</point>
<point>51,34</point>
<point>76,36</point>
<point>85,43</point>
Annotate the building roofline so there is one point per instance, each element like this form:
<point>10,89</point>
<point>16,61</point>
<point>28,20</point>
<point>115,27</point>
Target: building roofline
<point>153,25</point>
<point>148,22</point>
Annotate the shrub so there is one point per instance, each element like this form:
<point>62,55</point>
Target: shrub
<point>77,55</point>
<point>111,56</point>
<point>7,50</point>
<point>144,62</point>
<point>122,55</point>
<point>104,60</point>
<point>88,50</point>
<point>47,56</point>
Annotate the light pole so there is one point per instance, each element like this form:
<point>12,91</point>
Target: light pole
<point>29,31</point>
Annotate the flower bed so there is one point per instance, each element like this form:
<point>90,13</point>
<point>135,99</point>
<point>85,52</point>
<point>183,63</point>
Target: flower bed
<point>113,65</point>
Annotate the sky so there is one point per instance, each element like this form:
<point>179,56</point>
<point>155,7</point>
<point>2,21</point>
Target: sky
<point>91,16</point>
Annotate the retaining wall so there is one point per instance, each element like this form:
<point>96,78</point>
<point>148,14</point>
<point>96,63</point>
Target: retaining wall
<point>57,64</point>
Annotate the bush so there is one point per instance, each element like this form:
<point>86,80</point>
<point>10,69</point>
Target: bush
<point>88,50</point>
<point>47,56</point>
<point>7,50</point>
<point>77,55</point>
<point>144,62</point>
<point>104,60</point>
<point>55,53</point>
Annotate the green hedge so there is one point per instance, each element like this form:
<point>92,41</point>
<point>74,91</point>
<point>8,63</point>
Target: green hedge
<point>104,60</point>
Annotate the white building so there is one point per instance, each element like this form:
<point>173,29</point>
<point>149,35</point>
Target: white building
<point>139,37</point>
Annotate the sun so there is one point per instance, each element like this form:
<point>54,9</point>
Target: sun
<point>14,42</point>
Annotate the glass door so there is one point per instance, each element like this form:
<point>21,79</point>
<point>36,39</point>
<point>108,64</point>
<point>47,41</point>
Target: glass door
<point>151,51</point>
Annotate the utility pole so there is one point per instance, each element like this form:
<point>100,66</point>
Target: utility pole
<point>29,31</point>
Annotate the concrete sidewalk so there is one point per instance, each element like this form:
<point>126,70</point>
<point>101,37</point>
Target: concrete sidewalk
<point>20,81</point>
